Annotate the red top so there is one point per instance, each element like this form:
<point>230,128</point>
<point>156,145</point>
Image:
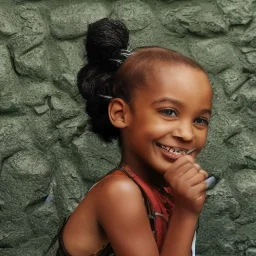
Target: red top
<point>159,203</point>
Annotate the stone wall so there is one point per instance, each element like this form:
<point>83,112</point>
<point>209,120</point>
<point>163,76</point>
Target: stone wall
<point>48,156</point>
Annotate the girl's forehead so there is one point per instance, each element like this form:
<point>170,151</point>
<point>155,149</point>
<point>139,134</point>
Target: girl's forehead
<point>181,83</point>
<point>178,78</point>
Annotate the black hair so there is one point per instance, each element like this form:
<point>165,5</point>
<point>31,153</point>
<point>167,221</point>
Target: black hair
<point>109,73</point>
<point>105,39</point>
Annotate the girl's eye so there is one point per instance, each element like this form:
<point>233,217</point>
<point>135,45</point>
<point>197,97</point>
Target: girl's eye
<point>168,112</point>
<point>202,121</point>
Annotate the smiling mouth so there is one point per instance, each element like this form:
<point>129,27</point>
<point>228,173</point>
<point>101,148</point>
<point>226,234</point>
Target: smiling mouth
<point>173,152</point>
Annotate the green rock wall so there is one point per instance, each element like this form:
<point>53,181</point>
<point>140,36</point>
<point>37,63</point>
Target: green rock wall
<point>48,156</point>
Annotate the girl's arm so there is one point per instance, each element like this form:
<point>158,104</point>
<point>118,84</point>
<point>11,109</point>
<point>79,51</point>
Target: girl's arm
<point>122,214</point>
<point>187,180</point>
<point>179,237</point>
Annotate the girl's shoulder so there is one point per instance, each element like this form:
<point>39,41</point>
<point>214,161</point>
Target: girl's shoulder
<point>115,190</point>
<point>115,186</point>
<point>119,207</point>
<point>107,202</point>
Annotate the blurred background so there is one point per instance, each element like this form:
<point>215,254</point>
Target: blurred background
<point>48,156</point>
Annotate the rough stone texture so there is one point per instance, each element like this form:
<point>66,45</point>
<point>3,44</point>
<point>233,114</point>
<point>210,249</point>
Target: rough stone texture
<point>105,153</point>
<point>209,52</point>
<point>249,36</point>
<point>32,30</point>
<point>33,63</point>
<point>71,20</point>
<point>237,12</point>
<point>188,17</point>
<point>8,23</point>
<point>48,156</point>
<point>7,74</point>
<point>232,79</point>
<point>136,14</point>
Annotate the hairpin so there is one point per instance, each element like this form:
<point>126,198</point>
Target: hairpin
<point>119,62</point>
<point>106,96</point>
<point>124,53</point>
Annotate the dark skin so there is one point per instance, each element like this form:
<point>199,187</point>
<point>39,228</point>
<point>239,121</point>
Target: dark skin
<point>172,110</point>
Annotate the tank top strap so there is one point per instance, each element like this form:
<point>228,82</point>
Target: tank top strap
<point>159,204</point>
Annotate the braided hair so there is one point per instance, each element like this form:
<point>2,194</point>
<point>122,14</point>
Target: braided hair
<point>105,40</point>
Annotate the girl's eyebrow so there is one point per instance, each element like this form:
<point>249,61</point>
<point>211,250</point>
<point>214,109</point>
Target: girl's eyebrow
<point>179,103</point>
<point>206,111</point>
<point>169,100</point>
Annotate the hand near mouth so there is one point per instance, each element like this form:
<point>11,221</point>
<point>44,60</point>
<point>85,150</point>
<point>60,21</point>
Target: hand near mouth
<point>187,181</point>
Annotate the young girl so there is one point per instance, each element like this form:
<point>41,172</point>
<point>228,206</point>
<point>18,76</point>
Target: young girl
<point>157,104</point>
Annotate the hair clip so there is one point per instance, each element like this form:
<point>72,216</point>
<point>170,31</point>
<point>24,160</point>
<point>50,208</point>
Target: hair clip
<point>119,62</point>
<point>106,97</point>
<point>126,53</point>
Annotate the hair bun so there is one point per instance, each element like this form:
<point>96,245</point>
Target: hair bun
<point>105,40</point>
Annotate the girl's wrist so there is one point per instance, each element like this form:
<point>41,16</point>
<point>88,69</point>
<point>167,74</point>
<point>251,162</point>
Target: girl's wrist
<point>183,213</point>
<point>187,220</point>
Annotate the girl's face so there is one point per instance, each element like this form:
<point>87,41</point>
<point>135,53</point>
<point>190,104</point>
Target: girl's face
<point>167,117</point>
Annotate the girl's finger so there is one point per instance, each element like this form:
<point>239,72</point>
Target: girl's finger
<point>193,171</point>
<point>190,173</point>
<point>196,179</point>
<point>183,160</point>
<point>197,166</point>
<point>177,171</point>
<point>184,169</point>
<point>204,173</point>
<point>198,190</point>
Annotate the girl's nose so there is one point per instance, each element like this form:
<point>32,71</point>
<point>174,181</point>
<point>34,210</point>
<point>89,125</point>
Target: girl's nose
<point>184,132</point>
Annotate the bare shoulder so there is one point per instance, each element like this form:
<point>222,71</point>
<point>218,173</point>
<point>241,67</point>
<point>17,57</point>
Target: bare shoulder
<point>120,209</point>
<point>115,189</point>
<point>112,208</point>
<point>118,181</point>
<point>110,190</point>
<point>109,197</point>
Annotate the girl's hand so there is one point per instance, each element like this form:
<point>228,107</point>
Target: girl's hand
<point>186,179</point>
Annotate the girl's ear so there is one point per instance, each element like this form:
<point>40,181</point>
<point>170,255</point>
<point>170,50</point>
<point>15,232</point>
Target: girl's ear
<point>118,112</point>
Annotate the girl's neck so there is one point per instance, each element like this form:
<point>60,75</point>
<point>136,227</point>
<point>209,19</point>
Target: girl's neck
<point>145,172</point>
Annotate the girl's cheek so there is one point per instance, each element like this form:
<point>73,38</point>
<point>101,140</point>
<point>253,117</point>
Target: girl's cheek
<point>202,141</point>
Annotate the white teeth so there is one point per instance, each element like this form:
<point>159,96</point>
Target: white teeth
<point>173,150</point>
<point>177,150</point>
